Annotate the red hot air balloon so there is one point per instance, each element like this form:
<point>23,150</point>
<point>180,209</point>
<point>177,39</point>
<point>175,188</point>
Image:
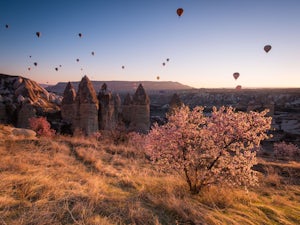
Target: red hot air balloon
<point>179,11</point>
<point>236,75</point>
<point>267,48</point>
<point>38,34</point>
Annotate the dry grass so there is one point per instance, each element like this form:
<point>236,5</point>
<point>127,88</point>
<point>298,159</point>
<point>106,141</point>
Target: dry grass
<point>77,180</point>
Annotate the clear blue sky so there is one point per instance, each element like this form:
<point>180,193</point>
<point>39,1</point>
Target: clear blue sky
<point>206,45</point>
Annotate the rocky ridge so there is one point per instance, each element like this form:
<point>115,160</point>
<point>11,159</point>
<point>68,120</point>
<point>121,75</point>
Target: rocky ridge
<point>22,98</point>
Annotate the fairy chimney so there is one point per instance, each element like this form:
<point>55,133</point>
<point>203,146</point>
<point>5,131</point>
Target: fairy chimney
<point>86,118</point>
<point>108,109</point>
<point>175,103</point>
<point>68,106</point>
<point>140,111</point>
<point>126,109</point>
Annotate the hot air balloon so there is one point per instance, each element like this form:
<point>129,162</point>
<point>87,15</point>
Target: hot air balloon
<point>157,78</point>
<point>163,64</point>
<point>56,68</point>
<point>168,59</point>
<point>35,63</point>
<point>93,53</point>
<point>179,11</point>
<point>81,69</point>
<point>30,56</point>
<point>236,75</point>
<point>6,26</point>
<point>267,48</point>
<point>123,67</point>
<point>239,87</point>
<point>80,34</point>
<point>59,65</point>
<point>38,34</point>
<point>28,68</point>
<point>77,60</point>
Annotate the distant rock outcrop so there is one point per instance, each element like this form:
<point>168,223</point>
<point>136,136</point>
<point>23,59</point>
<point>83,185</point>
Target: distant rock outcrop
<point>86,118</point>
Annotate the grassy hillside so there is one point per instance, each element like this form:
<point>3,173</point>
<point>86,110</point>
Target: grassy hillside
<point>74,180</point>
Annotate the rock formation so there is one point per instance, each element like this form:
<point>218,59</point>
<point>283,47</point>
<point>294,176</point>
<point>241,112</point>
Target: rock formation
<point>109,109</point>
<point>175,103</point>
<point>68,106</point>
<point>126,110</point>
<point>22,98</point>
<point>140,111</point>
<point>86,118</point>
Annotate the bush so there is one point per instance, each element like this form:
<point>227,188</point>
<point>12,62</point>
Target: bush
<point>41,126</point>
<point>210,150</point>
<point>286,151</point>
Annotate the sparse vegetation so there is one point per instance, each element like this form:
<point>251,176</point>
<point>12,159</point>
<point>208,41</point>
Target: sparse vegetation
<point>286,151</point>
<point>41,126</point>
<point>79,180</point>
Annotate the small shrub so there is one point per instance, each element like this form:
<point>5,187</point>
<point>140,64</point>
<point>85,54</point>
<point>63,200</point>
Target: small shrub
<point>286,151</point>
<point>41,126</point>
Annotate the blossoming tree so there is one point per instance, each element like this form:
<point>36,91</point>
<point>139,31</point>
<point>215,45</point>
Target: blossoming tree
<point>206,150</point>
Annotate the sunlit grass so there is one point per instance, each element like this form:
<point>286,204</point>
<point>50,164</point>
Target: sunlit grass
<point>78,180</point>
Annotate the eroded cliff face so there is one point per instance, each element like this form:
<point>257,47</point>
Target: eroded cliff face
<point>22,98</point>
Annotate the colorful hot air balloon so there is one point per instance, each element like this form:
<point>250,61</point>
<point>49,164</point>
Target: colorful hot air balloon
<point>267,48</point>
<point>179,11</point>
<point>236,75</point>
<point>38,34</point>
